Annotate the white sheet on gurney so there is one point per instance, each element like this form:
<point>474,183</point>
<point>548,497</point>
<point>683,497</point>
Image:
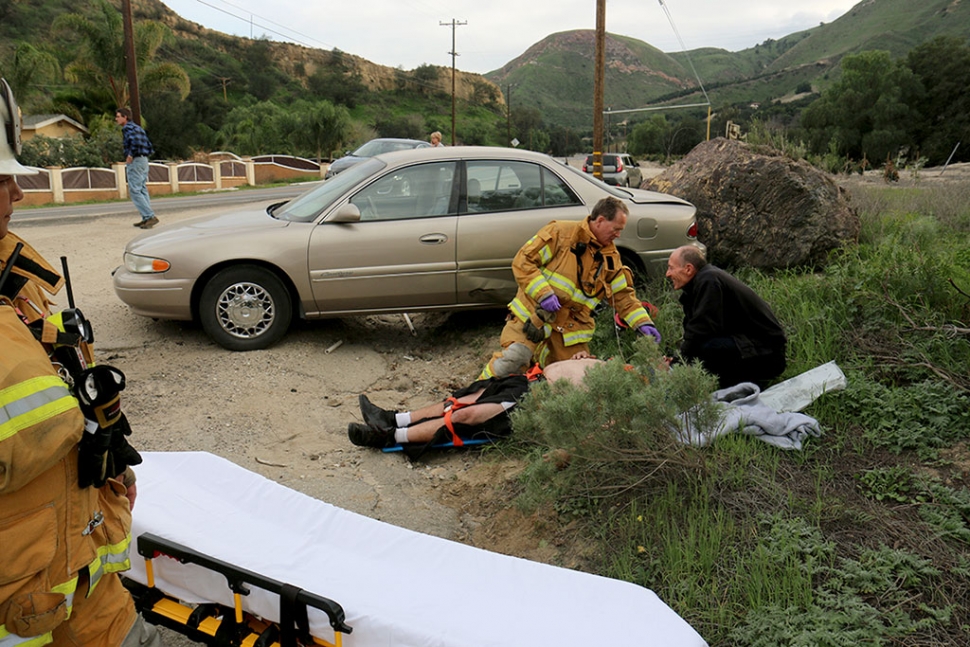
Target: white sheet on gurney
<point>397,587</point>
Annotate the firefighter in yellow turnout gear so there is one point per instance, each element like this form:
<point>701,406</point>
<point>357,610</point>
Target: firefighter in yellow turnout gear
<point>61,544</point>
<point>563,273</point>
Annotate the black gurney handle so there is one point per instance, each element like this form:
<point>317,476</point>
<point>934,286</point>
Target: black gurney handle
<point>151,546</point>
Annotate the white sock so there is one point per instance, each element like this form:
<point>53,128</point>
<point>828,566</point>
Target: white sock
<point>402,419</point>
<point>401,434</point>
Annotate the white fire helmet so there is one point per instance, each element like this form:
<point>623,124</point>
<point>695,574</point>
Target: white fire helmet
<point>10,135</point>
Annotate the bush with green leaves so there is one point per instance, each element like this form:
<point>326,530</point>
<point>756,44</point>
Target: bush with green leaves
<point>69,152</point>
<point>614,437</point>
<point>757,546</point>
<point>871,600</point>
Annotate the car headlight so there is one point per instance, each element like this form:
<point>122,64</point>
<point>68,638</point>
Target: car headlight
<point>145,264</point>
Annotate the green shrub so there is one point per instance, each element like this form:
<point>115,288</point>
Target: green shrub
<point>613,438</point>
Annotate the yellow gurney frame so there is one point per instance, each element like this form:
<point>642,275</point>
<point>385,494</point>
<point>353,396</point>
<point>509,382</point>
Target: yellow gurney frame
<point>215,624</point>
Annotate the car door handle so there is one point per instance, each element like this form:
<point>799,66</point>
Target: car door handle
<point>434,239</point>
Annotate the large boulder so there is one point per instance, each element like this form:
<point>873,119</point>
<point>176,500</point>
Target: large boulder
<point>758,208</point>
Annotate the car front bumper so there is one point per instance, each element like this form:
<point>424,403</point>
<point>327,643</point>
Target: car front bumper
<point>154,295</point>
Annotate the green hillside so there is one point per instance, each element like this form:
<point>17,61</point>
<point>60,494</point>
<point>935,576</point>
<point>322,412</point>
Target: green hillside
<point>244,94</point>
<point>556,74</point>
<point>549,86</point>
<point>893,25</point>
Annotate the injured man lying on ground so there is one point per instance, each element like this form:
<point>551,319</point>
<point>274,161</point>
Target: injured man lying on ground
<point>478,411</point>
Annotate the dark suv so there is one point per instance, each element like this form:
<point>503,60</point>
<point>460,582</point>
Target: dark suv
<point>618,168</point>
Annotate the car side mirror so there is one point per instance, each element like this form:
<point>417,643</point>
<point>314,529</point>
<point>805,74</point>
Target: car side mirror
<point>347,213</point>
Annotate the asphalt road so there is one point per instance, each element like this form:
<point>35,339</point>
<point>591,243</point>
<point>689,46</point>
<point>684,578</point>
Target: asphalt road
<point>163,204</point>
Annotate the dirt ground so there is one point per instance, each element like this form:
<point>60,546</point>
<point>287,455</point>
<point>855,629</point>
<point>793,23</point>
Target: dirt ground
<point>283,411</point>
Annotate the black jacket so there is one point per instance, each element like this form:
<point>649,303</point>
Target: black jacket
<point>718,305</point>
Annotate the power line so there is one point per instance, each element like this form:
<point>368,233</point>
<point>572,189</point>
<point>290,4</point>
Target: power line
<point>684,48</point>
<point>272,31</point>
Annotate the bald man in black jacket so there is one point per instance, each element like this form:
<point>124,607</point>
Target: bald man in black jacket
<point>728,327</point>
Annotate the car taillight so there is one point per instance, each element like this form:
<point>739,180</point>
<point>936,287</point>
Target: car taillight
<point>692,230</point>
<point>585,170</point>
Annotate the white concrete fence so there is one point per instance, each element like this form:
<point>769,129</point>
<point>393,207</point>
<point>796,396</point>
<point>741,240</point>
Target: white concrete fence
<point>224,171</point>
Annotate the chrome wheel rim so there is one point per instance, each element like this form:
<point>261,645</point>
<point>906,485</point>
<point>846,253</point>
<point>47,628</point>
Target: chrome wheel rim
<point>245,310</point>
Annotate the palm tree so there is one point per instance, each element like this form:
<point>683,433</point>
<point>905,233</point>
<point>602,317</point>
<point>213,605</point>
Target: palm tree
<point>31,68</point>
<point>100,64</point>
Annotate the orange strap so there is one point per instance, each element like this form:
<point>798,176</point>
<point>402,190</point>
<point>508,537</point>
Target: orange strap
<point>455,404</point>
<point>534,373</point>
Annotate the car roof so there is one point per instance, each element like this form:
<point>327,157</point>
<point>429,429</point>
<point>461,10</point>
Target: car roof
<point>398,139</point>
<point>464,152</point>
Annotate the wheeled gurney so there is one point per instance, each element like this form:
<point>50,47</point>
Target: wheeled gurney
<point>372,584</point>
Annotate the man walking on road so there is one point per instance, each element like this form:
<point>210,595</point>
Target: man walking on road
<point>137,149</point>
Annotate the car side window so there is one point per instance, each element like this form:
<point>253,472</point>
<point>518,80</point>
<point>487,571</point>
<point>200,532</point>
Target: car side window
<point>555,191</point>
<point>419,191</point>
<point>494,185</point>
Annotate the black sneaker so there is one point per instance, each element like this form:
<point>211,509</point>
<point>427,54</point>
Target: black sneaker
<point>367,436</point>
<point>375,416</point>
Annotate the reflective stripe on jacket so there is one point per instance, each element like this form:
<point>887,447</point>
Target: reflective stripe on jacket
<point>565,259</point>
<point>51,530</point>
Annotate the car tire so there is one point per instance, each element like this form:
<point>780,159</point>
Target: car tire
<point>245,308</point>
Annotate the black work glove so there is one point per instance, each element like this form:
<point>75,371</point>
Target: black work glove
<point>121,455</point>
<point>533,334</point>
<point>537,334</point>
<point>104,451</point>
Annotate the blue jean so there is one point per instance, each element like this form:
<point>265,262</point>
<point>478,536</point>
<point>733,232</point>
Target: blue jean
<point>137,173</point>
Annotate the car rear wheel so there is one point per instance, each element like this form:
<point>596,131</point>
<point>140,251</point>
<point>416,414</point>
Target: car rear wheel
<point>245,308</point>
<point>631,260</point>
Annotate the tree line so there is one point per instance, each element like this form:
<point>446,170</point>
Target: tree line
<point>914,110</point>
<point>201,98</point>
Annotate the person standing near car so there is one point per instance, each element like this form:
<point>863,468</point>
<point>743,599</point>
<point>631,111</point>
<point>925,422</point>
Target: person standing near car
<point>563,273</point>
<point>65,515</point>
<point>137,148</point>
<point>436,140</point>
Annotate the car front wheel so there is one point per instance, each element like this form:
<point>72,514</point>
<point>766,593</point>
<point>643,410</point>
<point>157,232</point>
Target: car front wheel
<point>245,308</point>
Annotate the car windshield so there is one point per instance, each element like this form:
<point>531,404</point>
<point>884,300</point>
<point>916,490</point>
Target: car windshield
<point>602,186</point>
<point>309,205</point>
<point>377,146</point>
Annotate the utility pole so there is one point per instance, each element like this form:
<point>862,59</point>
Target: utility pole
<point>225,81</point>
<point>508,113</point>
<point>599,72</point>
<point>129,30</point>
<point>453,24</point>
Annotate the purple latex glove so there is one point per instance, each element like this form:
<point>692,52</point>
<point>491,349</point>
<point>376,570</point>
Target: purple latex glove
<point>650,331</point>
<point>550,303</point>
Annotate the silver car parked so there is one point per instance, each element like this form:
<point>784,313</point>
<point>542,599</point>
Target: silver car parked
<point>619,169</point>
<point>416,230</point>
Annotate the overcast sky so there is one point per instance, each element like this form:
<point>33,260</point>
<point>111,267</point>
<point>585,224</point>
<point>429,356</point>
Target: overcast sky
<point>409,33</point>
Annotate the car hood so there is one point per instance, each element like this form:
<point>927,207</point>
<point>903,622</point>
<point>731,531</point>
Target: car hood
<point>205,227</point>
<point>345,162</point>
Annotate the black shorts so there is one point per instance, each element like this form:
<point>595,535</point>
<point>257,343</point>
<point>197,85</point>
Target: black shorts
<point>500,390</point>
